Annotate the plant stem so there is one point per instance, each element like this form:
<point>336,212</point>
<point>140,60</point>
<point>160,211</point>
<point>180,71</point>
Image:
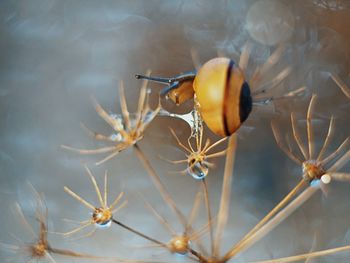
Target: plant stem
<point>70,253</point>
<point>307,255</point>
<point>207,204</point>
<point>225,193</point>
<point>273,212</point>
<point>139,233</point>
<point>269,226</point>
<point>159,185</point>
<point>197,255</point>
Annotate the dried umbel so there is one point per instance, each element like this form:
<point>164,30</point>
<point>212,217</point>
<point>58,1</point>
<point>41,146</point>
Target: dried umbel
<point>102,215</point>
<point>197,158</point>
<point>179,245</point>
<point>314,167</point>
<point>182,243</point>
<point>129,128</point>
<point>39,249</point>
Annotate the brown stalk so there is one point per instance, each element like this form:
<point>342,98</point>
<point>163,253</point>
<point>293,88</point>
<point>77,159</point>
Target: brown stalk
<point>307,255</point>
<point>274,222</point>
<point>225,193</point>
<point>272,213</point>
<point>159,185</point>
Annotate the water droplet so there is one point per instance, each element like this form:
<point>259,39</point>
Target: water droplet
<point>326,178</point>
<point>180,245</point>
<point>148,117</point>
<point>119,125</point>
<point>116,137</point>
<point>115,116</point>
<point>105,224</point>
<point>198,171</point>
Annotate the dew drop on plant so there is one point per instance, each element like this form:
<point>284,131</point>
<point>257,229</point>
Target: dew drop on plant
<point>102,217</point>
<point>148,117</point>
<point>116,137</point>
<point>180,245</point>
<point>326,178</point>
<point>198,171</point>
<point>104,224</point>
<point>119,119</point>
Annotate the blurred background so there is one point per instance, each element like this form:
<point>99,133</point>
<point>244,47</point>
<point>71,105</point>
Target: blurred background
<point>55,54</point>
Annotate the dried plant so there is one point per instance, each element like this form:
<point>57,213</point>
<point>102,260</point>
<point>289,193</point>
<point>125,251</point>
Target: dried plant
<point>102,214</point>
<point>40,249</point>
<point>197,167</point>
<point>315,175</point>
<point>307,256</point>
<point>55,52</point>
<point>341,84</point>
<point>197,157</point>
<point>182,243</point>
<point>129,128</point>
<point>314,170</point>
<point>315,167</point>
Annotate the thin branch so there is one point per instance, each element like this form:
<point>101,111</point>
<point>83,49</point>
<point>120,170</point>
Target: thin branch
<point>327,140</point>
<point>159,185</point>
<point>24,221</point>
<point>139,233</point>
<point>225,193</point>
<point>341,177</point>
<point>161,219</point>
<point>273,212</point>
<point>78,198</point>
<point>296,135</point>
<point>215,144</point>
<point>70,253</point>
<point>282,146</point>
<point>116,201</point>
<point>307,255</point>
<point>94,183</point>
<point>178,141</point>
<point>105,197</point>
<point>274,222</point>
<point>309,126</point>
<point>194,211</point>
<point>117,149</point>
<point>341,84</point>
<point>114,123</point>
<point>340,162</point>
<point>119,207</point>
<point>334,154</point>
<point>207,204</point>
<point>123,106</point>
<point>89,151</point>
<point>95,135</point>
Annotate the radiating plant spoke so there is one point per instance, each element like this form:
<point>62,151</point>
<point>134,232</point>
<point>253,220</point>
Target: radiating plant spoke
<point>341,84</point>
